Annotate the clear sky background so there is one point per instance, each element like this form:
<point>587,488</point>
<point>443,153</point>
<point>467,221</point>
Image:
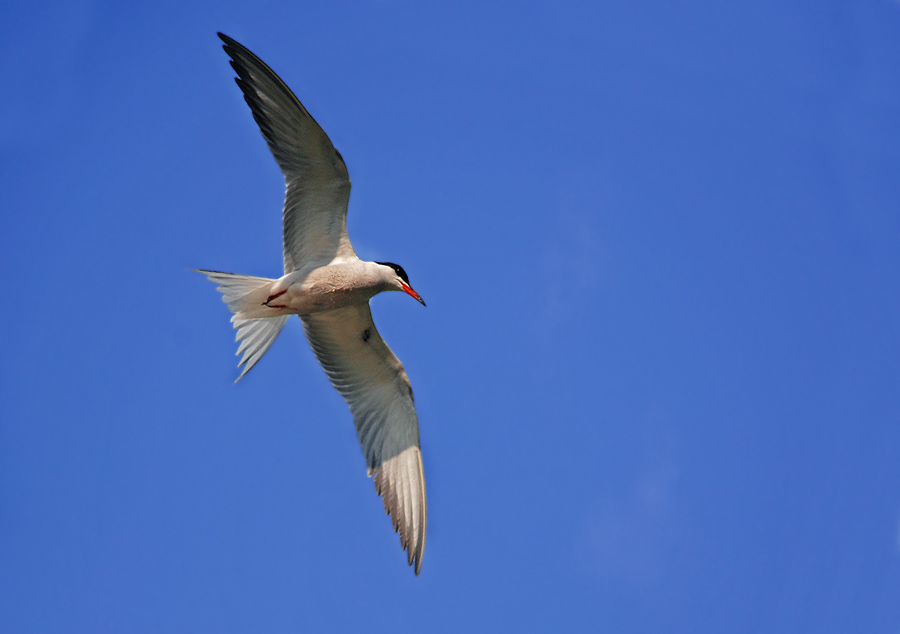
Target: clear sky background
<point>657,379</point>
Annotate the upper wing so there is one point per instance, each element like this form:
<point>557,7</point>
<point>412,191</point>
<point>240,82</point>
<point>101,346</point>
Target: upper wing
<point>318,186</point>
<point>372,380</point>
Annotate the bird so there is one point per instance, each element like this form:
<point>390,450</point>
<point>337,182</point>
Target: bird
<point>329,288</point>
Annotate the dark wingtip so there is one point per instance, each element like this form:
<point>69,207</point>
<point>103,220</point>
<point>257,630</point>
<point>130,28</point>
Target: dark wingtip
<point>230,44</point>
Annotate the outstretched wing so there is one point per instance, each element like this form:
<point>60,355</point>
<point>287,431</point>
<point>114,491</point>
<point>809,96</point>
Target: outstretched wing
<point>318,186</point>
<point>371,379</point>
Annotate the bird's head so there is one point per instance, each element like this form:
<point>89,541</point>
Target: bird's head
<point>400,280</point>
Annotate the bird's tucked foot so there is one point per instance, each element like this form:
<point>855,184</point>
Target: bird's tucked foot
<point>275,296</point>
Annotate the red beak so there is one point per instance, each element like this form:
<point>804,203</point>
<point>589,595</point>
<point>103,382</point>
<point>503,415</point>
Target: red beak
<point>409,290</point>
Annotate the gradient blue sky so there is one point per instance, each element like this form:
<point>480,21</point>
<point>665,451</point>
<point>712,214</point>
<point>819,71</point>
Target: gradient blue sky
<point>658,377</point>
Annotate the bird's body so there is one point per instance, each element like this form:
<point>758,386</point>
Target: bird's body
<point>318,288</point>
<point>329,288</point>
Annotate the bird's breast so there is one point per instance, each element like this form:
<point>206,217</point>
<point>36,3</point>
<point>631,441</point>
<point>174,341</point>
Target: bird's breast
<point>330,287</point>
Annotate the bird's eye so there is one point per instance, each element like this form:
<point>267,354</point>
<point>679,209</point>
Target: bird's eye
<point>401,273</point>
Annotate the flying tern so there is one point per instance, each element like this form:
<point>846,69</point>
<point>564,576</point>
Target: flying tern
<point>329,287</point>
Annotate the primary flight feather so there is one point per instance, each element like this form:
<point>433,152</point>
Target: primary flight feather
<point>329,288</point>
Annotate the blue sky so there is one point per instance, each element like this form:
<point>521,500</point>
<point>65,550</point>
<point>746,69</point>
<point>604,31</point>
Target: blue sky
<point>657,379</point>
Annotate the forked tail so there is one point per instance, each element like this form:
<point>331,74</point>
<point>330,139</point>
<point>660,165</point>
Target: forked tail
<point>245,295</point>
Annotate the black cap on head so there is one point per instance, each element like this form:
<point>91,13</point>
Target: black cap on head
<point>397,269</point>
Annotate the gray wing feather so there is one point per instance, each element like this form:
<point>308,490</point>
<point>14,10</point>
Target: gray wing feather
<point>373,382</point>
<point>316,178</point>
